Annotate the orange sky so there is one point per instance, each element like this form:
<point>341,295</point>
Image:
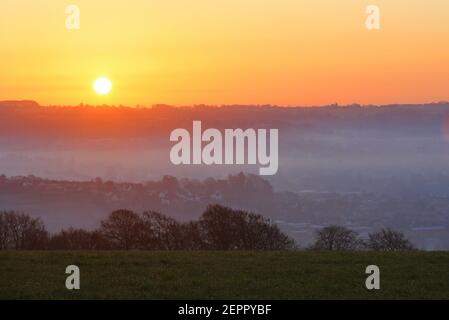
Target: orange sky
<point>288,52</point>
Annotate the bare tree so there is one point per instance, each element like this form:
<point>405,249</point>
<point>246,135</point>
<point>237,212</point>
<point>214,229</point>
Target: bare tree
<point>123,228</point>
<point>4,231</point>
<point>192,236</point>
<point>389,240</point>
<point>220,228</point>
<point>256,232</point>
<point>223,228</point>
<point>160,232</point>
<point>21,232</point>
<point>337,238</point>
<point>78,239</point>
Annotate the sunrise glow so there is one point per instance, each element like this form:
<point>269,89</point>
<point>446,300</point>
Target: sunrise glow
<point>225,52</point>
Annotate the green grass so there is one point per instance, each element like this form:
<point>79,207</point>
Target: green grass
<point>223,275</point>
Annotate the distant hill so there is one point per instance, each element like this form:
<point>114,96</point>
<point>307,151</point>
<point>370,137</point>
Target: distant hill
<point>19,103</point>
<point>106,122</point>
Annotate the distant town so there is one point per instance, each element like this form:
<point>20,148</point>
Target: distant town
<point>63,204</point>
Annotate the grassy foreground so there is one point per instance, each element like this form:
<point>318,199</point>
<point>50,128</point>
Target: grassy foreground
<point>223,275</point>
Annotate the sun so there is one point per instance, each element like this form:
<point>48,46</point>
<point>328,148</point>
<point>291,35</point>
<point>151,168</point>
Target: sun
<point>102,86</point>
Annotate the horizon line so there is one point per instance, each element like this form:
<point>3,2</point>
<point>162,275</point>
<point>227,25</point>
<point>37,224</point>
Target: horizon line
<point>34,103</point>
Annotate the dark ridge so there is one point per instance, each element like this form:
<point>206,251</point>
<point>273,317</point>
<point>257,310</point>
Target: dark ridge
<point>19,103</point>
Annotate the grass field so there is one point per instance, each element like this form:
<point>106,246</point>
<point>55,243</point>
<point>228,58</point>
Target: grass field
<point>223,275</point>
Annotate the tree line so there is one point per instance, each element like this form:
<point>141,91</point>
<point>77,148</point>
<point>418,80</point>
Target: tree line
<point>218,228</point>
<point>337,238</point>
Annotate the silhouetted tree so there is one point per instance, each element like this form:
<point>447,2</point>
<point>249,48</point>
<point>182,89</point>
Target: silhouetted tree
<point>21,232</point>
<point>258,233</point>
<point>219,228</point>
<point>389,240</point>
<point>78,239</point>
<point>223,228</point>
<point>160,232</point>
<point>192,237</point>
<point>4,232</point>
<point>337,238</point>
<point>123,228</point>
